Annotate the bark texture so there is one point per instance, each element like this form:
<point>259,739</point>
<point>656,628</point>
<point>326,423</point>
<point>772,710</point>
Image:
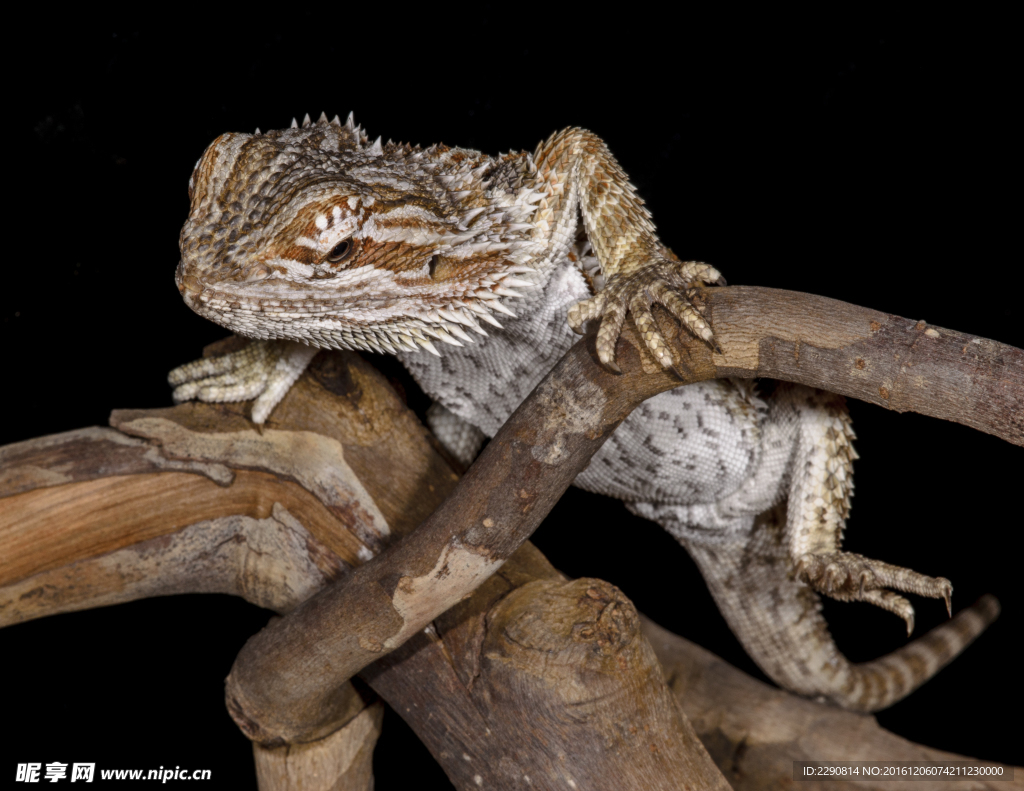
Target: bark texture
<point>887,360</point>
<point>342,761</point>
<point>548,683</point>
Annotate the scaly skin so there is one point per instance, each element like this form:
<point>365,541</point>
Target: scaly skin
<point>312,237</point>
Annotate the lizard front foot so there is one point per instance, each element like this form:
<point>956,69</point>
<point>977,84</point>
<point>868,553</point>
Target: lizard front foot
<point>263,370</point>
<point>847,576</point>
<point>664,280</point>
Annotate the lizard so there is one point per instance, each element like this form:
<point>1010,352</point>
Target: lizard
<point>315,237</point>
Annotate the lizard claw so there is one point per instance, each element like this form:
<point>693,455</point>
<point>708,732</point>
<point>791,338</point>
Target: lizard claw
<point>582,312</point>
<point>847,576</point>
<point>668,282</point>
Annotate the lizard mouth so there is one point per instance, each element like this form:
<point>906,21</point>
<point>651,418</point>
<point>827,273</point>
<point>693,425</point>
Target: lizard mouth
<point>276,309</point>
<point>363,307</point>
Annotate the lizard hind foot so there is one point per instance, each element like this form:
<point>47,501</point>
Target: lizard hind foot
<point>847,576</point>
<point>665,281</point>
<point>778,619</point>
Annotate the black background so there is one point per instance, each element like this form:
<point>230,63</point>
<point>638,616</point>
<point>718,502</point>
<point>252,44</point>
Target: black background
<point>868,160</point>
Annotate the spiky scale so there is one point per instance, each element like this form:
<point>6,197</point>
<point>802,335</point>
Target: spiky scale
<point>460,333</point>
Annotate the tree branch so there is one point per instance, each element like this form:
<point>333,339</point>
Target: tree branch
<point>880,358</point>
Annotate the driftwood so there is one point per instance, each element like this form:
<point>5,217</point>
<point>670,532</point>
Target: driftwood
<point>204,502</point>
<point>68,486</point>
<point>546,681</point>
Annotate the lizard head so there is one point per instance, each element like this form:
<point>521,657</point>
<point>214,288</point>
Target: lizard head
<point>314,234</point>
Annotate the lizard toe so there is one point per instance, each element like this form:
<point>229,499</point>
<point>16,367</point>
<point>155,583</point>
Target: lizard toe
<point>640,306</point>
<point>262,370</point>
<point>847,576</point>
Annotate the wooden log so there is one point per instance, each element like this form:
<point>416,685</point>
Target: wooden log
<point>548,683</point>
<point>96,517</point>
<point>280,677</point>
<point>432,681</point>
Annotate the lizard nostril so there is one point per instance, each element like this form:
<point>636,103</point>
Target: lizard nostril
<point>187,284</point>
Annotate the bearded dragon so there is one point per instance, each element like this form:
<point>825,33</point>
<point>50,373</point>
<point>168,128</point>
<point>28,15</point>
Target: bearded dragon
<point>314,237</point>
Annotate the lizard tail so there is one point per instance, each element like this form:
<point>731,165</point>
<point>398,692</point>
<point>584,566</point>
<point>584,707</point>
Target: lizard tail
<point>882,682</point>
<point>778,620</point>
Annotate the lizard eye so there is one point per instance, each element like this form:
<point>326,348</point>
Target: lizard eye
<point>340,251</point>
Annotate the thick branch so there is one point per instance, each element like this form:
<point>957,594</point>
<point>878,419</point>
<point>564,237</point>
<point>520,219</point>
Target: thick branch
<point>342,761</point>
<point>897,363</point>
<point>547,683</point>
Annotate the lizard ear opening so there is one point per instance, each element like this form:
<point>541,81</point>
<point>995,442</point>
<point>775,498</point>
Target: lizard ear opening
<point>442,268</point>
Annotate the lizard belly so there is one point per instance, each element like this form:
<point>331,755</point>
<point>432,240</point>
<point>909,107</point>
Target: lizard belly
<point>695,444</point>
